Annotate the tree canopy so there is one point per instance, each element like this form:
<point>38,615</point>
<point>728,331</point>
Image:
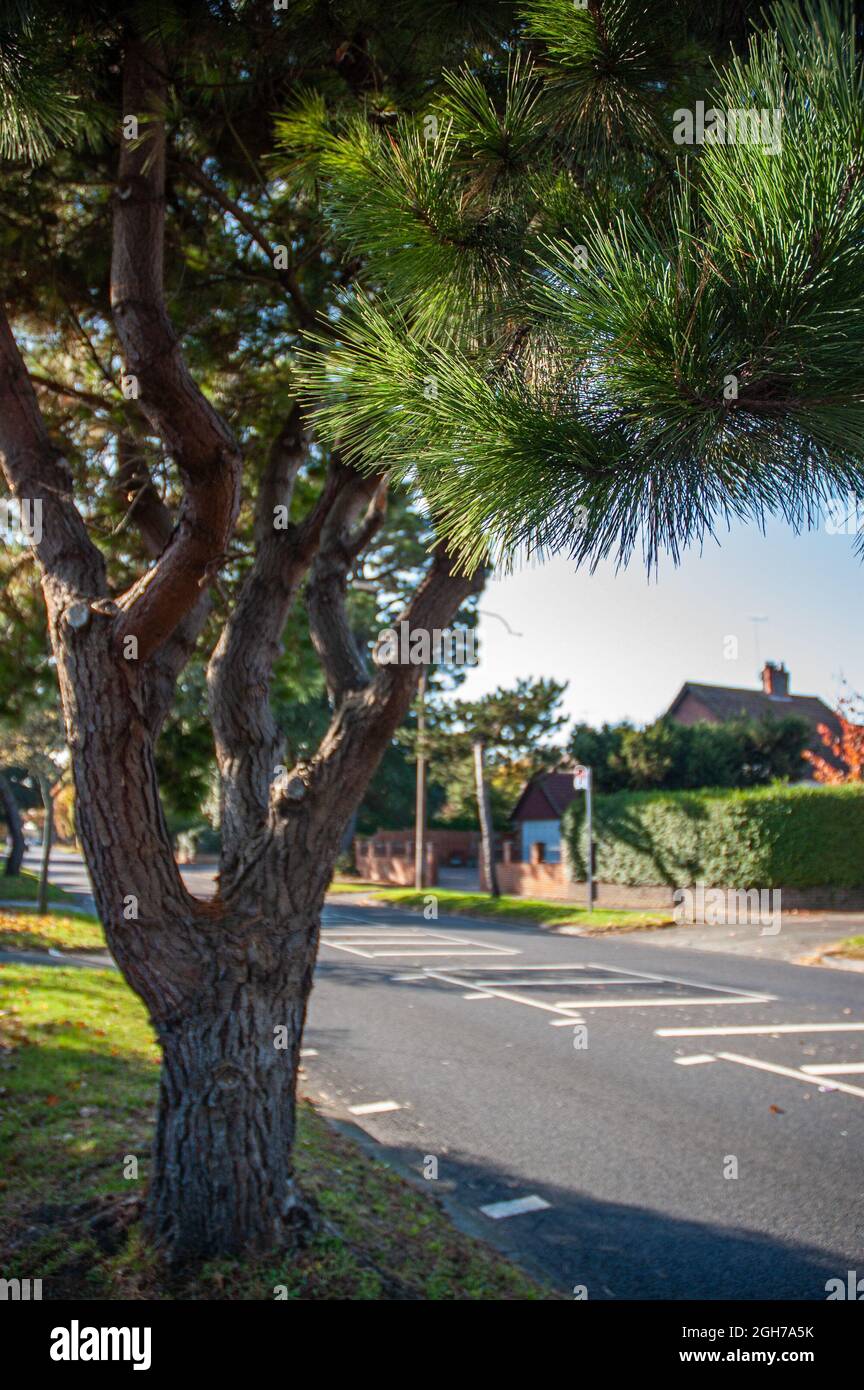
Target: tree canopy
<point>575,333</point>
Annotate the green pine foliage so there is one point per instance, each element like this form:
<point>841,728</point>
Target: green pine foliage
<point>575,334</point>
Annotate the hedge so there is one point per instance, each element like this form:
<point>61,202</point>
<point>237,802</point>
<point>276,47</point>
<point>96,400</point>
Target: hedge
<point>768,837</point>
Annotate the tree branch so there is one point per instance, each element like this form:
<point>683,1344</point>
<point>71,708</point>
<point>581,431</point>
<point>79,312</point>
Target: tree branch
<point>37,472</point>
<point>135,485</point>
<point>366,721</point>
<point>248,743</point>
<point>342,658</point>
<point>286,276</point>
<point>206,453</point>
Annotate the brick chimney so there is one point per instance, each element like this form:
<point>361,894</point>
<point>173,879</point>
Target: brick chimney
<point>775,679</point>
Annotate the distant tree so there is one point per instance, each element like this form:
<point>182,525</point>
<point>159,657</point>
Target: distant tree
<point>847,747</point>
<point>36,742</point>
<point>12,815</point>
<point>483,750</point>
<point>666,756</point>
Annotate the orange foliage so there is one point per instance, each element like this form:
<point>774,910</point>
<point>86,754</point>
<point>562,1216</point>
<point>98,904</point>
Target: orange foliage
<point>848,747</point>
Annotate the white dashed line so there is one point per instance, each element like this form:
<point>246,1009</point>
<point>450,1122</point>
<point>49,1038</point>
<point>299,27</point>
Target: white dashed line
<point>499,1210</point>
<point>695,1060</point>
<point>760,1028</point>
<point>677,1002</point>
<point>787,1071</point>
<point>375,1107</point>
<point>836,1069</point>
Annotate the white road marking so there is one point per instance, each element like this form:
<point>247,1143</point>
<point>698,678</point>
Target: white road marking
<point>836,1069</point>
<point>499,1210</point>
<point>753,1029</point>
<point>486,982</point>
<point>787,1071</point>
<point>415,953</point>
<point>687,1002</point>
<point>308,1052</point>
<point>692,984</point>
<point>494,993</point>
<point>375,1107</point>
<point>377,943</point>
<point>695,1060</point>
<point>556,984</point>
<point>478,996</point>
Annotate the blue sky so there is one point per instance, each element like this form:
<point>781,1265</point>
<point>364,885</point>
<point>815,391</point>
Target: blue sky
<point>625,643</point>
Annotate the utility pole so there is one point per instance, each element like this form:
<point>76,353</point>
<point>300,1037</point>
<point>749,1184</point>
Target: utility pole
<point>484,807</point>
<point>420,804</point>
<point>582,782</point>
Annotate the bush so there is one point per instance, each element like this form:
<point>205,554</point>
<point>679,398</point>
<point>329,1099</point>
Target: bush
<point>667,756</point>
<point>771,837</point>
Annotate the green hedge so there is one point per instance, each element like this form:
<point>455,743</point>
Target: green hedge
<point>770,837</point>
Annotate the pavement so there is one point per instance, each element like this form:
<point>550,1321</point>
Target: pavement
<point>629,1116</point>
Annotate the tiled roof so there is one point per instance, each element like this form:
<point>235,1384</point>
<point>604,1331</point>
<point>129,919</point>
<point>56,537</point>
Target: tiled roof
<point>729,702</point>
<point>552,790</point>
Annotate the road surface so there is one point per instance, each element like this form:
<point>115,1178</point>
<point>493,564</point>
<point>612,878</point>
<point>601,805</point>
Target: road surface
<point>611,1088</point>
<point>627,1130</point>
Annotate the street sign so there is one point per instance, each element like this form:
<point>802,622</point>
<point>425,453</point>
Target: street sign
<point>581,778</point>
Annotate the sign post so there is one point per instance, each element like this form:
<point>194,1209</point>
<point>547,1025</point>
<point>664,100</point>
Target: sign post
<point>582,782</point>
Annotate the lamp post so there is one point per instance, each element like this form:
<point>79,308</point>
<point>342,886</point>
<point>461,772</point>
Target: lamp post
<point>582,782</point>
<point>420,803</point>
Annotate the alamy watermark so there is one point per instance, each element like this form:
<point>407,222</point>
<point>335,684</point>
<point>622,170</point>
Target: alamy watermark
<point>844,516</point>
<point>714,907</point>
<point>21,520</point>
<point>420,646</point>
<point>20,1290</point>
<point>748,126</point>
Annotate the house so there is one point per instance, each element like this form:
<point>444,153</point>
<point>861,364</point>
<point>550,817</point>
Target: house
<point>717,704</point>
<point>537,814</point>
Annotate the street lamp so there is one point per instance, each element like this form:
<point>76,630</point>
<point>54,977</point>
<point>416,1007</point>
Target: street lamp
<point>582,782</point>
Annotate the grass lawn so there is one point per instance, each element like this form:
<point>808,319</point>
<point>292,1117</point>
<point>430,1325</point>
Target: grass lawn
<point>545,914</point>
<point>852,947</point>
<point>78,1080</point>
<point>24,888</point>
<point>29,932</point>
<point>350,885</point>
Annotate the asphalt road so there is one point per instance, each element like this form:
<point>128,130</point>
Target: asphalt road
<point>624,1137</point>
<point>467,1032</point>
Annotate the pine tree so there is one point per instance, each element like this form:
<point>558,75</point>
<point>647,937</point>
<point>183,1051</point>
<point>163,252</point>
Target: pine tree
<point>555,301</point>
<point>158,276</point>
<point>580,333</point>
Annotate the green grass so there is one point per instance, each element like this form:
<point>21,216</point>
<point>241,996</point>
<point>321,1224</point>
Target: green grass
<point>536,910</point>
<point>27,931</point>
<point>78,1083</point>
<point>852,947</point>
<point>350,885</point>
<point>24,887</point>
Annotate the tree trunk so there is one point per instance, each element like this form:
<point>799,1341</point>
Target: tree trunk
<point>12,816</point>
<point>484,810</point>
<point>222,1180</point>
<point>47,841</point>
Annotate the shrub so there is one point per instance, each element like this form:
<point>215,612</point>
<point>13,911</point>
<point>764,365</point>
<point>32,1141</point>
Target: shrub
<point>773,837</point>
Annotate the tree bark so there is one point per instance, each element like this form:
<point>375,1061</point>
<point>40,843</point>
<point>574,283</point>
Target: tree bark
<point>12,816</point>
<point>222,1179</point>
